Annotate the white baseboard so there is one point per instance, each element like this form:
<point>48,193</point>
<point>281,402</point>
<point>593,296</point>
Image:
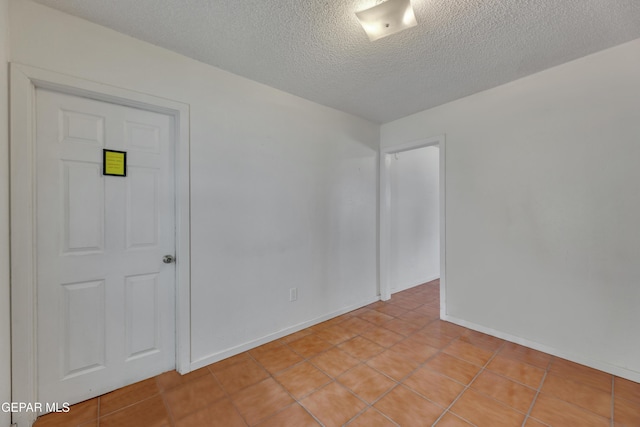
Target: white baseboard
<point>216,357</point>
<point>405,287</point>
<point>596,364</point>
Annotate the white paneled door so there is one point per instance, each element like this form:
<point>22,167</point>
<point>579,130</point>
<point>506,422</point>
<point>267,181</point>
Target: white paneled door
<point>105,296</point>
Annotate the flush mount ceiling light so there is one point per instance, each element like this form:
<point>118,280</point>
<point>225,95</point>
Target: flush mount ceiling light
<point>387,18</point>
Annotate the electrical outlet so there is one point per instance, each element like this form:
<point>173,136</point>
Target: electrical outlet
<point>293,294</point>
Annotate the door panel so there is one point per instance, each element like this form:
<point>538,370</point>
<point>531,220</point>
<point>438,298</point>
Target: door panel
<point>105,298</point>
<point>142,137</point>
<point>83,323</point>
<point>83,204</point>
<point>142,208</point>
<point>80,127</point>
<point>142,315</point>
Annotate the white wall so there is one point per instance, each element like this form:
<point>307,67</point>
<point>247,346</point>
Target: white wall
<point>283,190</point>
<point>5,321</point>
<point>414,256</point>
<point>542,206</point>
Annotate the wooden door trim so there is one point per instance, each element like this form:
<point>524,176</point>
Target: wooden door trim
<point>24,82</point>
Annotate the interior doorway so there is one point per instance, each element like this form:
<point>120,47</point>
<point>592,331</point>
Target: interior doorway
<point>389,214</point>
<point>414,255</point>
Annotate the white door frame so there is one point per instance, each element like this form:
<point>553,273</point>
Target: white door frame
<point>385,213</point>
<point>24,82</point>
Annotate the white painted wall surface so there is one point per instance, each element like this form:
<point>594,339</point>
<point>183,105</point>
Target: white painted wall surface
<point>283,191</point>
<point>414,221</point>
<point>542,207</point>
<point>5,320</point>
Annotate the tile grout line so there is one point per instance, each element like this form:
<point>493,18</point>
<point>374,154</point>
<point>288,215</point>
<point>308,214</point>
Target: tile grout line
<point>333,379</point>
<point>273,377</point>
<point>226,393</point>
<point>441,351</point>
<point>420,366</point>
<point>131,404</point>
<point>538,391</point>
<point>362,362</point>
<point>574,405</point>
<point>372,408</point>
<point>467,386</point>
<point>401,381</point>
<point>304,360</point>
<point>172,419</point>
<point>613,396</point>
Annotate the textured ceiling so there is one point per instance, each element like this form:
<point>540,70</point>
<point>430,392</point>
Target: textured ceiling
<point>317,50</point>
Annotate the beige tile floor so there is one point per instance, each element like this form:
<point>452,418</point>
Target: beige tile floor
<point>388,364</point>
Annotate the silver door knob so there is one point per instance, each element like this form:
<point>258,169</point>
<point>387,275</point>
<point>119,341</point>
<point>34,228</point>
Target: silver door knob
<point>168,259</point>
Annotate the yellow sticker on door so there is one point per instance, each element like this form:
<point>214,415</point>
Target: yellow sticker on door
<point>114,163</point>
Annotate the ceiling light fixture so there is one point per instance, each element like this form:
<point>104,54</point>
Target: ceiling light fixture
<point>387,18</point>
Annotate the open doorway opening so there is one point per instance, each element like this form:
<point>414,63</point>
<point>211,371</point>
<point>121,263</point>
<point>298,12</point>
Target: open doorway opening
<point>414,255</point>
<point>412,216</point>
